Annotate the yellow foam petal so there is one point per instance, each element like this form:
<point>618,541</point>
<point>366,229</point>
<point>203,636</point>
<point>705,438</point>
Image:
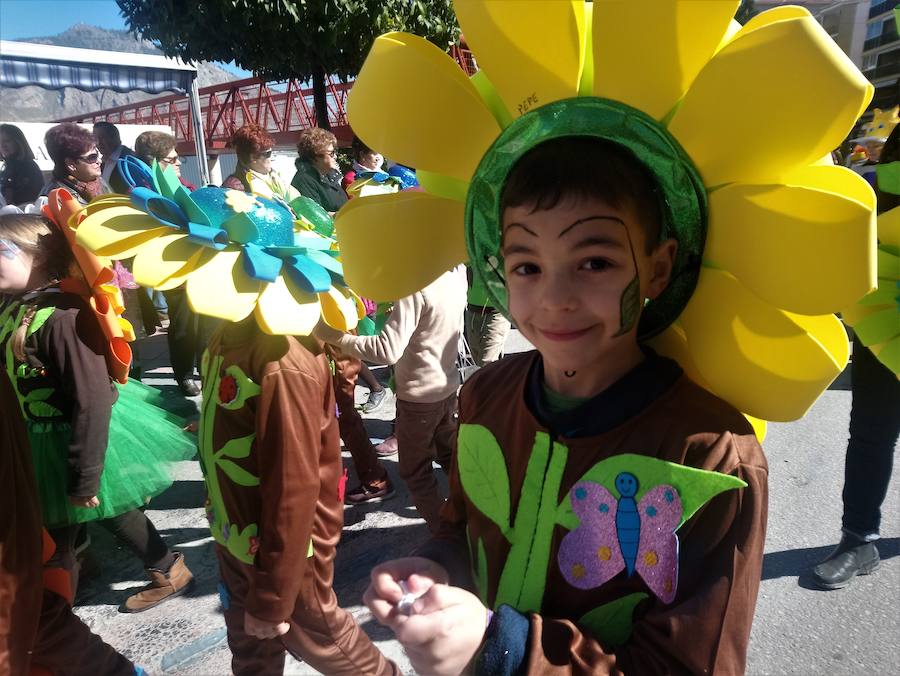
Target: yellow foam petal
<point>338,310</point>
<point>395,245</point>
<point>413,103</point>
<point>765,362</point>
<point>785,77</point>
<point>759,427</point>
<point>806,248</point>
<point>651,67</point>
<point>531,50</point>
<point>287,311</point>
<point>118,231</point>
<point>163,257</point>
<point>221,288</point>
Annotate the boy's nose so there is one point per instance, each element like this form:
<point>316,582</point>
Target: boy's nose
<point>559,293</point>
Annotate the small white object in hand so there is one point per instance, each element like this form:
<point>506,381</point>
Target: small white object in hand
<point>405,604</point>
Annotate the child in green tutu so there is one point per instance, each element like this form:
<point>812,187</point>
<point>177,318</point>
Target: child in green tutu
<point>100,450</point>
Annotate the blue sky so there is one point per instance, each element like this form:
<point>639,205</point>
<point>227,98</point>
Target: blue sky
<point>38,18</point>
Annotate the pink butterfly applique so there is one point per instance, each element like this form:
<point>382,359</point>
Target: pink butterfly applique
<point>617,534</point>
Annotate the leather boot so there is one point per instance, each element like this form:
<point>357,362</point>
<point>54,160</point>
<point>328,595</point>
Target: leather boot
<point>164,585</point>
<point>850,558</point>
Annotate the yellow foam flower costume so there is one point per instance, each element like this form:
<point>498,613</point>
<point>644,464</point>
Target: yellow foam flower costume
<point>789,239</point>
<point>236,253</point>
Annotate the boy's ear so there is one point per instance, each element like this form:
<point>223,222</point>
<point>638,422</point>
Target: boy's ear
<point>661,260</point>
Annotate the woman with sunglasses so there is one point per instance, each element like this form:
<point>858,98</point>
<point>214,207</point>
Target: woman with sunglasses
<point>254,173</point>
<point>76,162</point>
<point>160,146</point>
<point>318,176</point>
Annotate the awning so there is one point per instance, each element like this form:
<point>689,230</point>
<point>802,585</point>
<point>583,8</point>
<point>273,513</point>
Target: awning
<point>51,67</point>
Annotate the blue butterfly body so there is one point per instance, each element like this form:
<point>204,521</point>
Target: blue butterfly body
<point>628,520</point>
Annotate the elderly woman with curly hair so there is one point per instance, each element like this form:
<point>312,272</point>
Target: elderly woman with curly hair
<point>254,173</point>
<point>318,176</point>
<point>76,162</point>
<point>160,146</point>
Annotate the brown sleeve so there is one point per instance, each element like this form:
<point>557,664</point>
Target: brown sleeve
<point>288,442</point>
<point>74,345</point>
<point>707,628</point>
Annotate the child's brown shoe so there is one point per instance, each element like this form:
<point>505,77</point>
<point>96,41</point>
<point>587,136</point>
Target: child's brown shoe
<point>164,585</point>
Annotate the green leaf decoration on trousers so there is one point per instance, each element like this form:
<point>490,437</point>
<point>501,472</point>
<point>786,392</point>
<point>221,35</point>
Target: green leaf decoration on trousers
<point>41,394</point>
<point>41,409</point>
<point>237,473</point>
<point>611,623</point>
<point>695,486</point>
<point>237,448</point>
<point>482,471</point>
<point>40,318</point>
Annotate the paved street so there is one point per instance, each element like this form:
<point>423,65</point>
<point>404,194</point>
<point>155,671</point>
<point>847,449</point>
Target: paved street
<point>798,629</point>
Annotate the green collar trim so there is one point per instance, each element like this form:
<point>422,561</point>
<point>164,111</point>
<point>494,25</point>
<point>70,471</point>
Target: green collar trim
<point>682,191</point>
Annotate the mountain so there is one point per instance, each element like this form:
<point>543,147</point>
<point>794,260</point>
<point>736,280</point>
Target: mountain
<point>34,104</point>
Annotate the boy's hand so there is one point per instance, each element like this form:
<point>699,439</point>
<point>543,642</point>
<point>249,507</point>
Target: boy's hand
<point>444,631</point>
<point>385,592</point>
<point>263,628</point>
<point>446,624</point>
<point>84,501</point>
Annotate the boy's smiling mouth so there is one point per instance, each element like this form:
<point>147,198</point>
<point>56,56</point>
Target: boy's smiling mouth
<point>564,334</point>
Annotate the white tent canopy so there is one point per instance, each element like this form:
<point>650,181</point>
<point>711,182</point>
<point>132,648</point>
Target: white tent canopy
<point>52,67</point>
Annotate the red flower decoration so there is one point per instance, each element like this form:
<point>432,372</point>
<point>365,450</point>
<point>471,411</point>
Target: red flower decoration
<point>254,546</point>
<point>228,389</point>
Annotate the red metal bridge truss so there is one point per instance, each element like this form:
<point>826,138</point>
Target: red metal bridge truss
<point>282,108</point>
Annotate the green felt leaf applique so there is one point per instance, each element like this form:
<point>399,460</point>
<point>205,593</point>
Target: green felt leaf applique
<point>41,409</point>
<point>240,543</point>
<point>40,318</point>
<point>237,473</point>
<point>41,394</point>
<point>611,623</point>
<point>695,486</point>
<point>482,471</point>
<point>237,448</point>
<point>481,572</point>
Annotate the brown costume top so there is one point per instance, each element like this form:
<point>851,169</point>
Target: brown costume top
<point>271,455</point>
<point>653,411</point>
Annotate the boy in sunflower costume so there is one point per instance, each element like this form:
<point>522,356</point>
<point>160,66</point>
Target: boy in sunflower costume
<point>269,442</point>
<point>608,498</point>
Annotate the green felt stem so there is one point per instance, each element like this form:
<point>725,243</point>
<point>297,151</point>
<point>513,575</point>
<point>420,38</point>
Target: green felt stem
<point>513,579</point>
<point>611,623</point>
<point>535,578</point>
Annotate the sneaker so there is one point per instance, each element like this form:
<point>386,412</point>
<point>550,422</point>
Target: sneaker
<point>188,387</point>
<point>387,447</point>
<point>374,491</point>
<point>375,400</point>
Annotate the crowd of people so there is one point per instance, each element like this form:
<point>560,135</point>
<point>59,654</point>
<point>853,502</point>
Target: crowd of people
<point>571,467</point>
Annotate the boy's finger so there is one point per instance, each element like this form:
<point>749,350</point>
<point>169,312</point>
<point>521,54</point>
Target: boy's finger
<point>383,611</point>
<point>439,597</point>
<point>417,630</point>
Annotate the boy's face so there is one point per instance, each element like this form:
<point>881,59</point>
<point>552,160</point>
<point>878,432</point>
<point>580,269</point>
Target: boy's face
<point>566,271</point>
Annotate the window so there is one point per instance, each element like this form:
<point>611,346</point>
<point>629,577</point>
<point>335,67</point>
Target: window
<point>873,30</point>
<point>869,61</point>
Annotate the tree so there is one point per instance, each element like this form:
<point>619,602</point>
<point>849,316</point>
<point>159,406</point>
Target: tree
<point>282,39</point>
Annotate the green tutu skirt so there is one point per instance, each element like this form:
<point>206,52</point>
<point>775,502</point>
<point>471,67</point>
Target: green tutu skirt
<point>144,440</point>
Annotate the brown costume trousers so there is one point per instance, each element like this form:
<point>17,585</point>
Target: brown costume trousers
<point>322,634</point>
<point>425,433</point>
<point>353,432</point>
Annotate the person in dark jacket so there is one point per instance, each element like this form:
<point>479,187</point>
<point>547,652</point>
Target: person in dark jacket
<point>110,145</point>
<point>318,176</point>
<point>21,179</point>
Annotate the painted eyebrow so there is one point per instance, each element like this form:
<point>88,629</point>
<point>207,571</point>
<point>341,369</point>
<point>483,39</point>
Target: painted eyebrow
<point>520,225</point>
<point>599,241</point>
<point>591,218</point>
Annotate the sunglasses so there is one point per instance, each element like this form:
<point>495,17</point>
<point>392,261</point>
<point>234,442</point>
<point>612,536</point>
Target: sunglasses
<point>93,158</point>
<point>333,153</point>
<point>265,154</point>
<point>171,160</point>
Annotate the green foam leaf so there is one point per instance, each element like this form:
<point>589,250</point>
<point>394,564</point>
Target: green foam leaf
<point>611,623</point>
<point>482,471</point>
<point>695,486</point>
<point>237,448</point>
<point>237,473</point>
